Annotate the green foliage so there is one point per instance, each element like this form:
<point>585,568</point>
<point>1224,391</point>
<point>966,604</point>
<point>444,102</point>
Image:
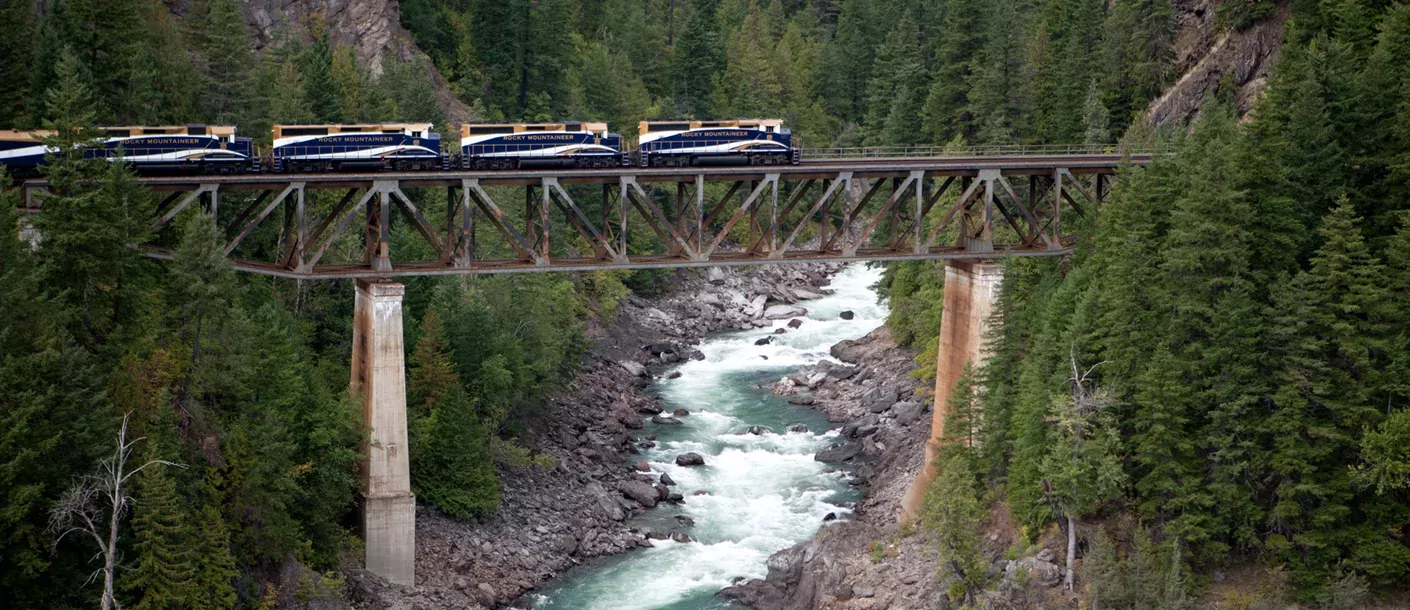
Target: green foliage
<point>953,512</point>
<point>163,576</point>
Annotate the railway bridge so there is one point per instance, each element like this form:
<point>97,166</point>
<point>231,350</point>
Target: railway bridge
<point>967,206</point>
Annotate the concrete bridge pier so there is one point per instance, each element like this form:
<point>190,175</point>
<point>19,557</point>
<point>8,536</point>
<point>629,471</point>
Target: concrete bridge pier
<point>970,292</point>
<point>379,376</point>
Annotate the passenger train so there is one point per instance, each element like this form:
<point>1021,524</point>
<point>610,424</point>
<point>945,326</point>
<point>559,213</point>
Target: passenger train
<point>409,147</point>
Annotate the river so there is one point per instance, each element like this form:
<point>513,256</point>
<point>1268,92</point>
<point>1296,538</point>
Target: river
<point>763,493</point>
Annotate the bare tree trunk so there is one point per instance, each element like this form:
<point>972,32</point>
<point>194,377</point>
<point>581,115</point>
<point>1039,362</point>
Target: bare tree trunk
<point>1071,549</point>
<point>82,507</point>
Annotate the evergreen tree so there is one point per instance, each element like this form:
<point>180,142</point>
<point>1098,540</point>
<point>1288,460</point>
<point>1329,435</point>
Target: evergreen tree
<point>215,571</point>
<point>952,510</point>
<point>895,100</point>
<point>320,88</point>
<point>850,57</point>
<point>225,43</point>
<point>163,576</point>
<point>699,59</point>
<point>952,54</point>
<point>16,54</point>
<point>1332,327</point>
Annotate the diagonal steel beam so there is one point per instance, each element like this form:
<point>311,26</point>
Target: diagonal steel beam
<point>645,204</point>
<point>963,202</point>
<point>1027,217</point>
<point>185,201</point>
<point>497,218</point>
<point>250,228</point>
<point>912,178</point>
<point>580,221</point>
<point>744,208</point>
<point>803,223</point>
<point>771,233</point>
<point>419,221</point>
<point>341,226</point>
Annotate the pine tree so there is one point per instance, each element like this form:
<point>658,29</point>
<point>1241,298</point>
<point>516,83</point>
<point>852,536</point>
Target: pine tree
<point>288,100</point>
<point>699,58</point>
<point>16,54</point>
<point>320,88</point>
<point>430,372</point>
<point>952,53</point>
<point>952,510</point>
<point>995,92</point>
<point>225,44</point>
<point>215,571</point>
<point>895,99</point>
<point>1332,326</point>
<point>162,576</point>
<point>850,57</point>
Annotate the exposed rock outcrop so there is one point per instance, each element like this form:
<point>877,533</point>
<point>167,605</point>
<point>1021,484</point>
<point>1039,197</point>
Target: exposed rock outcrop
<point>1208,56</point>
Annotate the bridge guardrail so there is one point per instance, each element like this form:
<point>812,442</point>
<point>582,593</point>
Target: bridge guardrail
<point>1016,150</point>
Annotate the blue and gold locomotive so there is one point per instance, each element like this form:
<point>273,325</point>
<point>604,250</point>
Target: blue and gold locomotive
<point>208,149</point>
<point>516,145</point>
<point>384,146</point>
<point>741,141</point>
<point>416,147</point>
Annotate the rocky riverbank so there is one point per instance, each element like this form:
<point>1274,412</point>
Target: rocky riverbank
<point>552,520</point>
<point>863,561</point>
<point>869,560</point>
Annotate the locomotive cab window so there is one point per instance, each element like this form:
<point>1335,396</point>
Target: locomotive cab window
<point>304,131</point>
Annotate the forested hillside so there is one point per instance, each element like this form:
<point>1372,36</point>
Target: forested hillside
<point>1218,375</point>
<point>1242,301</point>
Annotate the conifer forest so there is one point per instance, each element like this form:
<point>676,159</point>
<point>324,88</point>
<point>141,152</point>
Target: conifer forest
<point>1217,377</point>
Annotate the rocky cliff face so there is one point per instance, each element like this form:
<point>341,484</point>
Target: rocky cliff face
<point>1208,56</point>
<point>371,27</point>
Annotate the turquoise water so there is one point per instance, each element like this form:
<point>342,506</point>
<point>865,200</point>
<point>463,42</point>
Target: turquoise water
<point>764,493</point>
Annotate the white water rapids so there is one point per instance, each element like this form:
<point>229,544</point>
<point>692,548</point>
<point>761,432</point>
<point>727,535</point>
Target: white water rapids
<point>764,493</point>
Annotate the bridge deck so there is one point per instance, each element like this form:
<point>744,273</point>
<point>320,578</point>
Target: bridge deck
<point>860,209</point>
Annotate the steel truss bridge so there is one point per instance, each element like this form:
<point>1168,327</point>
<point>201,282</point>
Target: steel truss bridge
<point>875,206</point>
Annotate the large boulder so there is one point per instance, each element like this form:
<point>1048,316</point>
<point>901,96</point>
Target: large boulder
<point>783,312</point>
<point>643,493</point>
<point>838,453</point>
<point>907,412</point>
<point>715,275</point>
<point>847,315</point>
<point>690,459</point>
<point>1041,572</point>
<point>635,368</point>
<point>665,420</point>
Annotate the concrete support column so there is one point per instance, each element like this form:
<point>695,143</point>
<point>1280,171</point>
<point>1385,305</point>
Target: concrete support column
<point>970,292</point>
<point>379,375</point>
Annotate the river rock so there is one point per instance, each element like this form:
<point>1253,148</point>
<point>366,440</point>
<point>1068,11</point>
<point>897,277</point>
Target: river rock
<point>635,368</point>
<point>783,312</point>
<point>684,520</point>
<point>631,421</point>
<point>681,537</point>
<point>680,412</point>
<point>662,492</point>
<point>842,372</point>
<point>847,315</point>
<point>906,412</point>
<point>795,323</point>
<point>829,517</point>
<point>675,498</point>
<point>642,493</point>
<point>667,480</point>
<point>760,430</point>
<point>642,466</point>
<point>715,275</point>
<point>866,431</point>
<point>801,400</point>
<point>838,453</point>
<point>848,351</point>
<point>690,459</point>
<point>798,428</point>
<point>648,409</point>
<point>674,375</point>
<point>666,420</point>
<point>764,341</point>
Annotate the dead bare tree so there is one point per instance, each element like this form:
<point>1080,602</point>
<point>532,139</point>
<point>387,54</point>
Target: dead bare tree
<point>92,498</point>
